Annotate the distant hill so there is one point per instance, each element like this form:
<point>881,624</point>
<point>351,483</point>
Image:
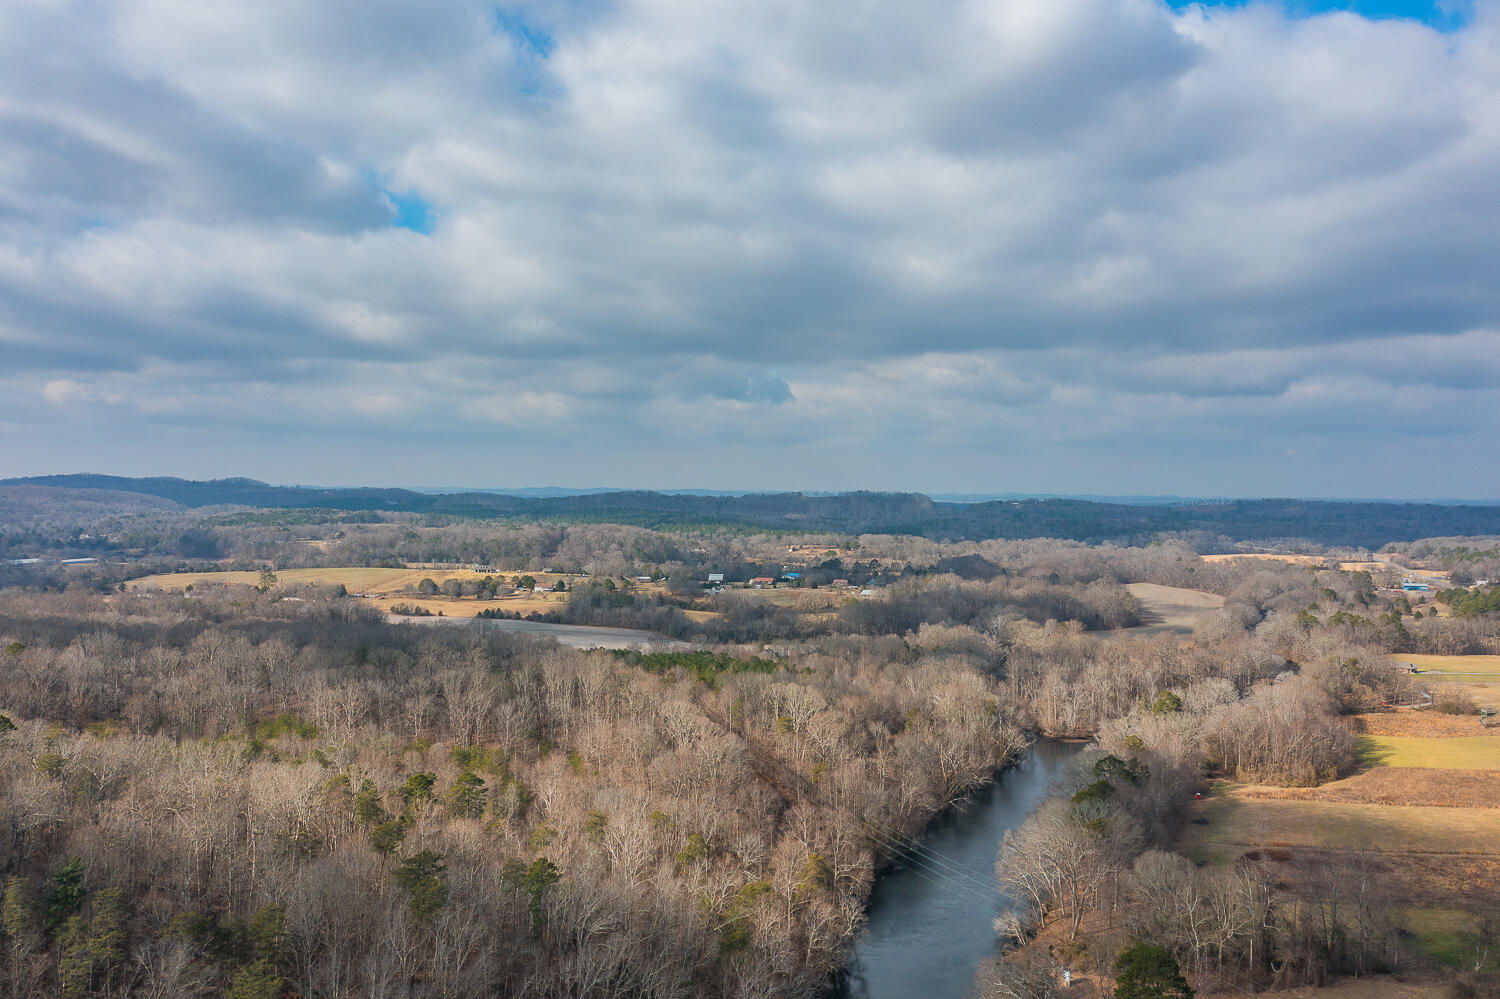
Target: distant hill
<point>1365,524</point>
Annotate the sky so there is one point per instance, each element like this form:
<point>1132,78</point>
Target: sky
<point>1066,246</point>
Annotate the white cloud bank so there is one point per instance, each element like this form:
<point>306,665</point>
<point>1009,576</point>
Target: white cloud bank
<point>1093,245</point>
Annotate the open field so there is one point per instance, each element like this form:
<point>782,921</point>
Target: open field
<point>1478,752</point>
<point>1267,557</point>
<point>805,599</point>
<point>1421,724</point>
<point>380,588</point>
<point>1237,822</point>
<point>1173,608</point>
<point>1372,987</point>
<point>1480,674</point>
<point>356,579</point>
<point>1452,664</point>
<point>527,603</point>
<point>1440,936</point>
<point>1424,786</point>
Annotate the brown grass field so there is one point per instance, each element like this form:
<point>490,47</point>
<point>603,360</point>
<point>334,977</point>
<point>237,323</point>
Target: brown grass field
<point>540,603</point>
<point>1237,822</point>
<point>805,599</point>
<point>1420,724</point>
<point>1267,557</point>
<point>356,579</point>
<point>380,588</point>
<point>1452,664</point>
<point>1406,786</point>
<point>1172,608</point>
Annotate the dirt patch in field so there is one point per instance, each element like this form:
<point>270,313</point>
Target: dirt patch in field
<point>1427,724</point>
<point>1421,786</point>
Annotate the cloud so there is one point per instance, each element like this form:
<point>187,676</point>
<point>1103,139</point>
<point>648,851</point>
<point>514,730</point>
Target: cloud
<point>1041,226</point>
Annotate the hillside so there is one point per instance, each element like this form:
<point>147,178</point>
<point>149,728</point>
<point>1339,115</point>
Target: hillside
<point>1362,524</point>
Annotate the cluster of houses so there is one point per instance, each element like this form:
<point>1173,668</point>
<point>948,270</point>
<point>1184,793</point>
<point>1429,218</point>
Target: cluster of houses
<point>716,581</point>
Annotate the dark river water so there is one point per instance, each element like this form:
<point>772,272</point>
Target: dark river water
<point>931,925</point>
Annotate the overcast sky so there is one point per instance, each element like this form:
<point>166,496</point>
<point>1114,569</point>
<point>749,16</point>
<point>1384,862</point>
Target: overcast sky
<point>1103,246</point>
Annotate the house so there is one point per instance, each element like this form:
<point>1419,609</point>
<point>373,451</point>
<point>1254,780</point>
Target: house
<point>794,575</point>
<point>761,581</point>
<point>1412,586</point>
<point>716,577</point>
<point>839,584</point>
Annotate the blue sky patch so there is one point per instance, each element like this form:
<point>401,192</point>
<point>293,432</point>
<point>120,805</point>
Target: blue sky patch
<point>531,39</point>
<point>411,212</point>
<point>1445,15</point>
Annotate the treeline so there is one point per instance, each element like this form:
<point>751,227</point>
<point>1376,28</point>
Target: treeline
<point>1466,603</point>
<point>1367,524</point>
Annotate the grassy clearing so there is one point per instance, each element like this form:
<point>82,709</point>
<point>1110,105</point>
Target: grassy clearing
<point>469,607</point>
<point>804,599</point>
<point>1467,679</point>
<point>1479,752</point>
<point>382,587</point>
<point>1266,557</point>
<point>1440,936</point>
<point>1237,822</point>
<point>1172,608</point>
<point>1422,724</point>
<point>1398,786</point>
<point>356,579</point>
<point>1452,664</point>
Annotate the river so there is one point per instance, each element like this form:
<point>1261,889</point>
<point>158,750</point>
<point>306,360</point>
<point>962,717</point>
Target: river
<point>580,636</point>
<point>930,928</point>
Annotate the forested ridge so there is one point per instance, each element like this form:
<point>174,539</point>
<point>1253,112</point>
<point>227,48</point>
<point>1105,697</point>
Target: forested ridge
<point>1368,524</point>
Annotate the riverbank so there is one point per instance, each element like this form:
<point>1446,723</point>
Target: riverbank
<point>931,916</point>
